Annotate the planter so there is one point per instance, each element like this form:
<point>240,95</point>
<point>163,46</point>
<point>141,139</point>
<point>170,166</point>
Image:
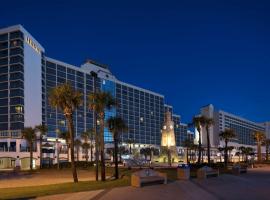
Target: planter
<point>183,173</point>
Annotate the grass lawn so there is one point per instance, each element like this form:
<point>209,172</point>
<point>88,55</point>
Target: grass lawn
<point>35,191</point>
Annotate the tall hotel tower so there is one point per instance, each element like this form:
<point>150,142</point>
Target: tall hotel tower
<point>27,76</point>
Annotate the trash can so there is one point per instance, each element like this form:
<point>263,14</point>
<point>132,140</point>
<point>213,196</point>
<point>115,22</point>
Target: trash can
<point>183,172</point>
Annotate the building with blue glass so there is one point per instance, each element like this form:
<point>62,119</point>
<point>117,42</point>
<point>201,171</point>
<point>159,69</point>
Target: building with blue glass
<point>27,75</point>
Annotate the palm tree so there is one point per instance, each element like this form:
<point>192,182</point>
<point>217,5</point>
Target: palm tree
<point>199,122</point>
<point>89,135</point>
<point>188,144</point>
<point>98,102</point>
<point>208,123</point>
<point>43,129</point>
<point>130,142</point>
<point>226,136</point>
<point>66,99</point>
<point>266,142</point>
<point>28,133</point>
<point>65,136</point>
<point>77,144</point>
<point>86,147</point>
<point>259,138</point>
<point>242,151</point>
<point>116,126</point>
<point>220,149</point>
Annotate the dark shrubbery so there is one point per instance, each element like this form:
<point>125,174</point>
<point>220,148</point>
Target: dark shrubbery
<point>79,165</point>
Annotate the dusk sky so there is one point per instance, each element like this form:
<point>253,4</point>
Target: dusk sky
<point>193,52</point>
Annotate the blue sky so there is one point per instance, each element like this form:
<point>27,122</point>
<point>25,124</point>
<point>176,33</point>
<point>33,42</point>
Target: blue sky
<point>193,52</point>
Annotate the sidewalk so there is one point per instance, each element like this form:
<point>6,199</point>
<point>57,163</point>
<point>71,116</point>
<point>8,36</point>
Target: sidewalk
<point>72,196</point>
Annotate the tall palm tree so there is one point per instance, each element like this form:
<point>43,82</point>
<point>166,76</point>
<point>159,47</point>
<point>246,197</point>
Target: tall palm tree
<point>77,144</point>
<point>66,99</point>
<point>266,143</point>
<point>86,147</point>
<point>43,129</point>
<point>116,126</point>
<point>208,123</point>
<point>29,135</point>
<point>130,142</point>
<point>98,102</point>
<point>259,138</point>
<point>226,136</point>
<point>199,122</point>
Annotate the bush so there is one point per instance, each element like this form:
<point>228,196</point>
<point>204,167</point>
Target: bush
<point>79,164</point>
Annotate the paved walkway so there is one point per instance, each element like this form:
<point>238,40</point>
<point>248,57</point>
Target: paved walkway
<point>251,186</point>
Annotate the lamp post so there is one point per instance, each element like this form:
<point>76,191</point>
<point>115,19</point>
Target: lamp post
<point>94,75</point>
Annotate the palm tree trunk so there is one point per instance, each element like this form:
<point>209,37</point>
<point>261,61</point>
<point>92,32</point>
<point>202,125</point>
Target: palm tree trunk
<point>31,155</point>
<point>129,148</point>
<point>259,152</point>
<point>77,149</point>
<point>71,132</point>
<point>200,148</point>
<point>267,151</point>
<point>208,145</point>
<point>226,153</point>
<point>116,158</point>
<point>102,156</point>
<point>91,151</point>
<point>187,156</point>
<point>40,151</point>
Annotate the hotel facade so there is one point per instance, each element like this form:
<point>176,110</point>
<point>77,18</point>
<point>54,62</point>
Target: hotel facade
<point>26,77</point>
<point>243,128</point>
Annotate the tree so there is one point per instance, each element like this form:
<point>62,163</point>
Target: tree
<point>65,136</point>
<point>43,129</point>
<point>98,102</point>
<point>266,142</point>
<point>86,147</point>
<point>130,142</point>
<point>77,144</point>
<point>116,126</point>
<point>199,122</point>
<point>259,138</point>
<point>29,135</point>
<point>220,149</point>
<point>208,123</point>
<point>226,136</point>
<point>67,100</point>
<point>188,144</point>
<point>89,135</point>
<point>246,151</point>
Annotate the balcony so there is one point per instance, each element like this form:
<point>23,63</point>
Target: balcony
<point>11,134</point>
<point>27,149</point>
<point>6,149</point>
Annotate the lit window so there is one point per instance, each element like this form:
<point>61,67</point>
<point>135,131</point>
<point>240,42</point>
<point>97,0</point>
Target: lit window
<point>18,109</point>
<point>141,119</point>
<point>164,127</point>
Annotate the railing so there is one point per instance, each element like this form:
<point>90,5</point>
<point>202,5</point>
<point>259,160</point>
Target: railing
<point>27,149</point>
<point>11,134</point>
<point>6,149</point>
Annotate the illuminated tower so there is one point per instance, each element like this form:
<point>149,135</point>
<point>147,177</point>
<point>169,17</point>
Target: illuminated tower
<point>168,137</point>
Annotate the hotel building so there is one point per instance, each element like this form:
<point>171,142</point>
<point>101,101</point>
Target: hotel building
<point>26,77</point>
<point>244,128</point>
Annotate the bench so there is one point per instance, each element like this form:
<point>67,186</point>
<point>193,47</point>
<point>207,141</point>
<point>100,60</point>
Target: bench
<point>206,172</point>
<point>239,169</point>
<point>147,177</point>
